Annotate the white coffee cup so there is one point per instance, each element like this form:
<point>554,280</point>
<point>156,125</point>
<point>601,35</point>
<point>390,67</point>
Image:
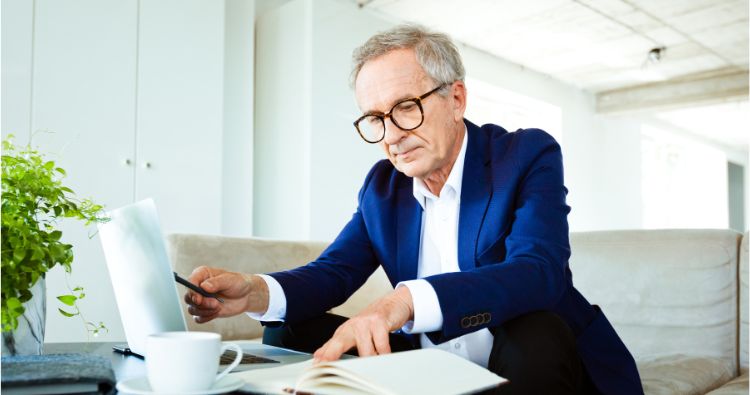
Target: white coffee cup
<point>186,361</point>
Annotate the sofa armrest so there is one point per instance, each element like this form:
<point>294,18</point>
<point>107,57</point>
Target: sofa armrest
<point>737,386</point>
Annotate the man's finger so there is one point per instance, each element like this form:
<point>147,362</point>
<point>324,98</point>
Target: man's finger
<point>381,341</point>
<point>202,320</point>
<point>363,337</point>
<point>333,350</point>
<point>193,298</point>
<point>194,310</point>
<point>199,274</point>
<point>219,283</point>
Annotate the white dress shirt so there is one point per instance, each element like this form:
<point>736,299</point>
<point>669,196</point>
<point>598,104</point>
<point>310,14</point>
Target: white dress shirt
<point>438,253</point>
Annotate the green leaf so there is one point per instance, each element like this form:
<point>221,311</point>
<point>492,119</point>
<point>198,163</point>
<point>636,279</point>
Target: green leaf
<point>69,300</point>
<point>34,199</point>
<point>65,313</point>
<point>13,303</point>
<point>55,235</point>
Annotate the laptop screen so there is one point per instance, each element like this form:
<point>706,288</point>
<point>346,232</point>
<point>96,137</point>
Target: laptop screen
<point>141,274</point>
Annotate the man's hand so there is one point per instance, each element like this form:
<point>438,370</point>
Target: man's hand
<point>369,330</point>
<point>241,293</point>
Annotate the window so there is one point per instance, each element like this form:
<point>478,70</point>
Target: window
<point>684,182</point>
<point>488,103</point>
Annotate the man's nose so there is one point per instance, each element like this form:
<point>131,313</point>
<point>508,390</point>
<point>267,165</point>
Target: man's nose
<point>393,134</point>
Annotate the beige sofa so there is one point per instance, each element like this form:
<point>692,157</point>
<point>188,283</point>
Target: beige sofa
<point>678,298</point>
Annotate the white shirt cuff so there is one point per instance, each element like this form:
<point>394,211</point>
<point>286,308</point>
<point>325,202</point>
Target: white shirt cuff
<point>276,302</point>
<point>427,314</point>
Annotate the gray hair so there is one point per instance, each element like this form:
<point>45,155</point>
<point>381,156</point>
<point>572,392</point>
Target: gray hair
<point>435,52</point>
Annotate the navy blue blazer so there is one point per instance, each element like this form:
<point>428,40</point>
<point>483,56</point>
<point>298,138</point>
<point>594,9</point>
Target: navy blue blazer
<point>513,250</point>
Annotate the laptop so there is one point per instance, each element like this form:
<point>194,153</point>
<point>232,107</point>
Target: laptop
<point>145,288</point>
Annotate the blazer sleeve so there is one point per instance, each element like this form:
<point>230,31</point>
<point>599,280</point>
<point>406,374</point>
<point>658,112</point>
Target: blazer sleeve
<point>531,274</point>
<point>338,272</point>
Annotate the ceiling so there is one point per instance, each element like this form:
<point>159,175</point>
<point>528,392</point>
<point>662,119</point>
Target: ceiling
<point>602,46</point>
<point>596,45</point>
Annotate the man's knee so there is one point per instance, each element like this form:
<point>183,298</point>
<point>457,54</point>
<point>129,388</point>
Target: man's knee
<point>538,329</point>
<point>538,339</point>
<point>537,352</point>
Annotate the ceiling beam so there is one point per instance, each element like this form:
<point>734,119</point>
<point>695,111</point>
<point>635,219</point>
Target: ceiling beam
<point>683,92</point>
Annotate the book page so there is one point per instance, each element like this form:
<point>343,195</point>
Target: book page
<point>331,380</point>
<point>410,372</point>
<point>428,371</point>
<point>272,380</point>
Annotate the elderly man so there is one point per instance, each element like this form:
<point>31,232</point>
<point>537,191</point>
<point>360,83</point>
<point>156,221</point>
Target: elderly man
<point>470,225</point>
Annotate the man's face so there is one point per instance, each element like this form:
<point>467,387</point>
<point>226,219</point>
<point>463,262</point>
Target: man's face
<point>395,76</point>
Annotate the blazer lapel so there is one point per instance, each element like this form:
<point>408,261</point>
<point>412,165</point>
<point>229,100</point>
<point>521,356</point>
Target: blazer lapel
<point>408,231</point>
<point>476,193</point>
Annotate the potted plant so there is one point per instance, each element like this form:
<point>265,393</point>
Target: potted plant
<point>33,200</point>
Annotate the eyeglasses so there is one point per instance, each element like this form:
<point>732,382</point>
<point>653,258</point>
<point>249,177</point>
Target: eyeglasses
<point>406,115</point>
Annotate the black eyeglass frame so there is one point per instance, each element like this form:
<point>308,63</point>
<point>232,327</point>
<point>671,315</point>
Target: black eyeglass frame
<point>417,100</point>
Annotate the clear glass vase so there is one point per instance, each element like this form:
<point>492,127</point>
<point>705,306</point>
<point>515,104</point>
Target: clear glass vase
<point>28,338</point>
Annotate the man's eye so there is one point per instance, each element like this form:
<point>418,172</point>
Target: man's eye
<point>408,106</point>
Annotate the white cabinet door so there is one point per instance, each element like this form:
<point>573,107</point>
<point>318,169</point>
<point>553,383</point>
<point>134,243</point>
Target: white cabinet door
<point>132,94</point>
<point>17,22</point>
<point>84,71</point>
<point>180,97</point>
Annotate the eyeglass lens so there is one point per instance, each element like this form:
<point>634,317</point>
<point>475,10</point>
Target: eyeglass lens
<point>406,115</point>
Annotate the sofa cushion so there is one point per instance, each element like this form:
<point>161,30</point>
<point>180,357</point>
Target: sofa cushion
<point>666,292</point>
<point>738,386</point>
<point>683,375</point>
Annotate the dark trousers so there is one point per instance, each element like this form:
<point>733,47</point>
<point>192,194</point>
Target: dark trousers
<point>536,351</point>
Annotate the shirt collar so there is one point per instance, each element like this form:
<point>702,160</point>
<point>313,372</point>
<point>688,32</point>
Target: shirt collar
<point>420,191</point>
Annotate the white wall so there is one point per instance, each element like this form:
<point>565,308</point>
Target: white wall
<point>237,150</point>
<point>17,38</point>
<point>309,160</point>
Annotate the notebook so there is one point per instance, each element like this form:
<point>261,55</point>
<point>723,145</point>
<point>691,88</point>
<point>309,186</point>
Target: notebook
<point>423,371</point>
<point>145,289</point>
<point>57,374</point>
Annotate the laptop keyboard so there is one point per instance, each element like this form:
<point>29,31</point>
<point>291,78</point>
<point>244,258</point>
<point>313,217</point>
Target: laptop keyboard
<point>229,356</point>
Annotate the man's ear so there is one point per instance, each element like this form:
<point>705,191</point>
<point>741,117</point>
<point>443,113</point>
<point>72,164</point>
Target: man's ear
<point>458,96</point>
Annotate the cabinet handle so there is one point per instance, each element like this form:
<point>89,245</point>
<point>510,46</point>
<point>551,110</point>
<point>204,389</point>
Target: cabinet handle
<point>127,162</point>
<point>147,165</point>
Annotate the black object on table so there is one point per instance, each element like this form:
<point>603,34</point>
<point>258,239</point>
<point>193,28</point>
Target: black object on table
<point>57,374</point>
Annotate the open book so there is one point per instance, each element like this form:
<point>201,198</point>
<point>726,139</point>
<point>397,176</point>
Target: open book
<point>425,371</point>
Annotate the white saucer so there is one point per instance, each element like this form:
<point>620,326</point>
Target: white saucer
<point>140,386</point>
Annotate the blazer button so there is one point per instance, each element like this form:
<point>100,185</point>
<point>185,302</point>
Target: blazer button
<point>474,320</point>
<point>465,322</point>
<point>487,317</point>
